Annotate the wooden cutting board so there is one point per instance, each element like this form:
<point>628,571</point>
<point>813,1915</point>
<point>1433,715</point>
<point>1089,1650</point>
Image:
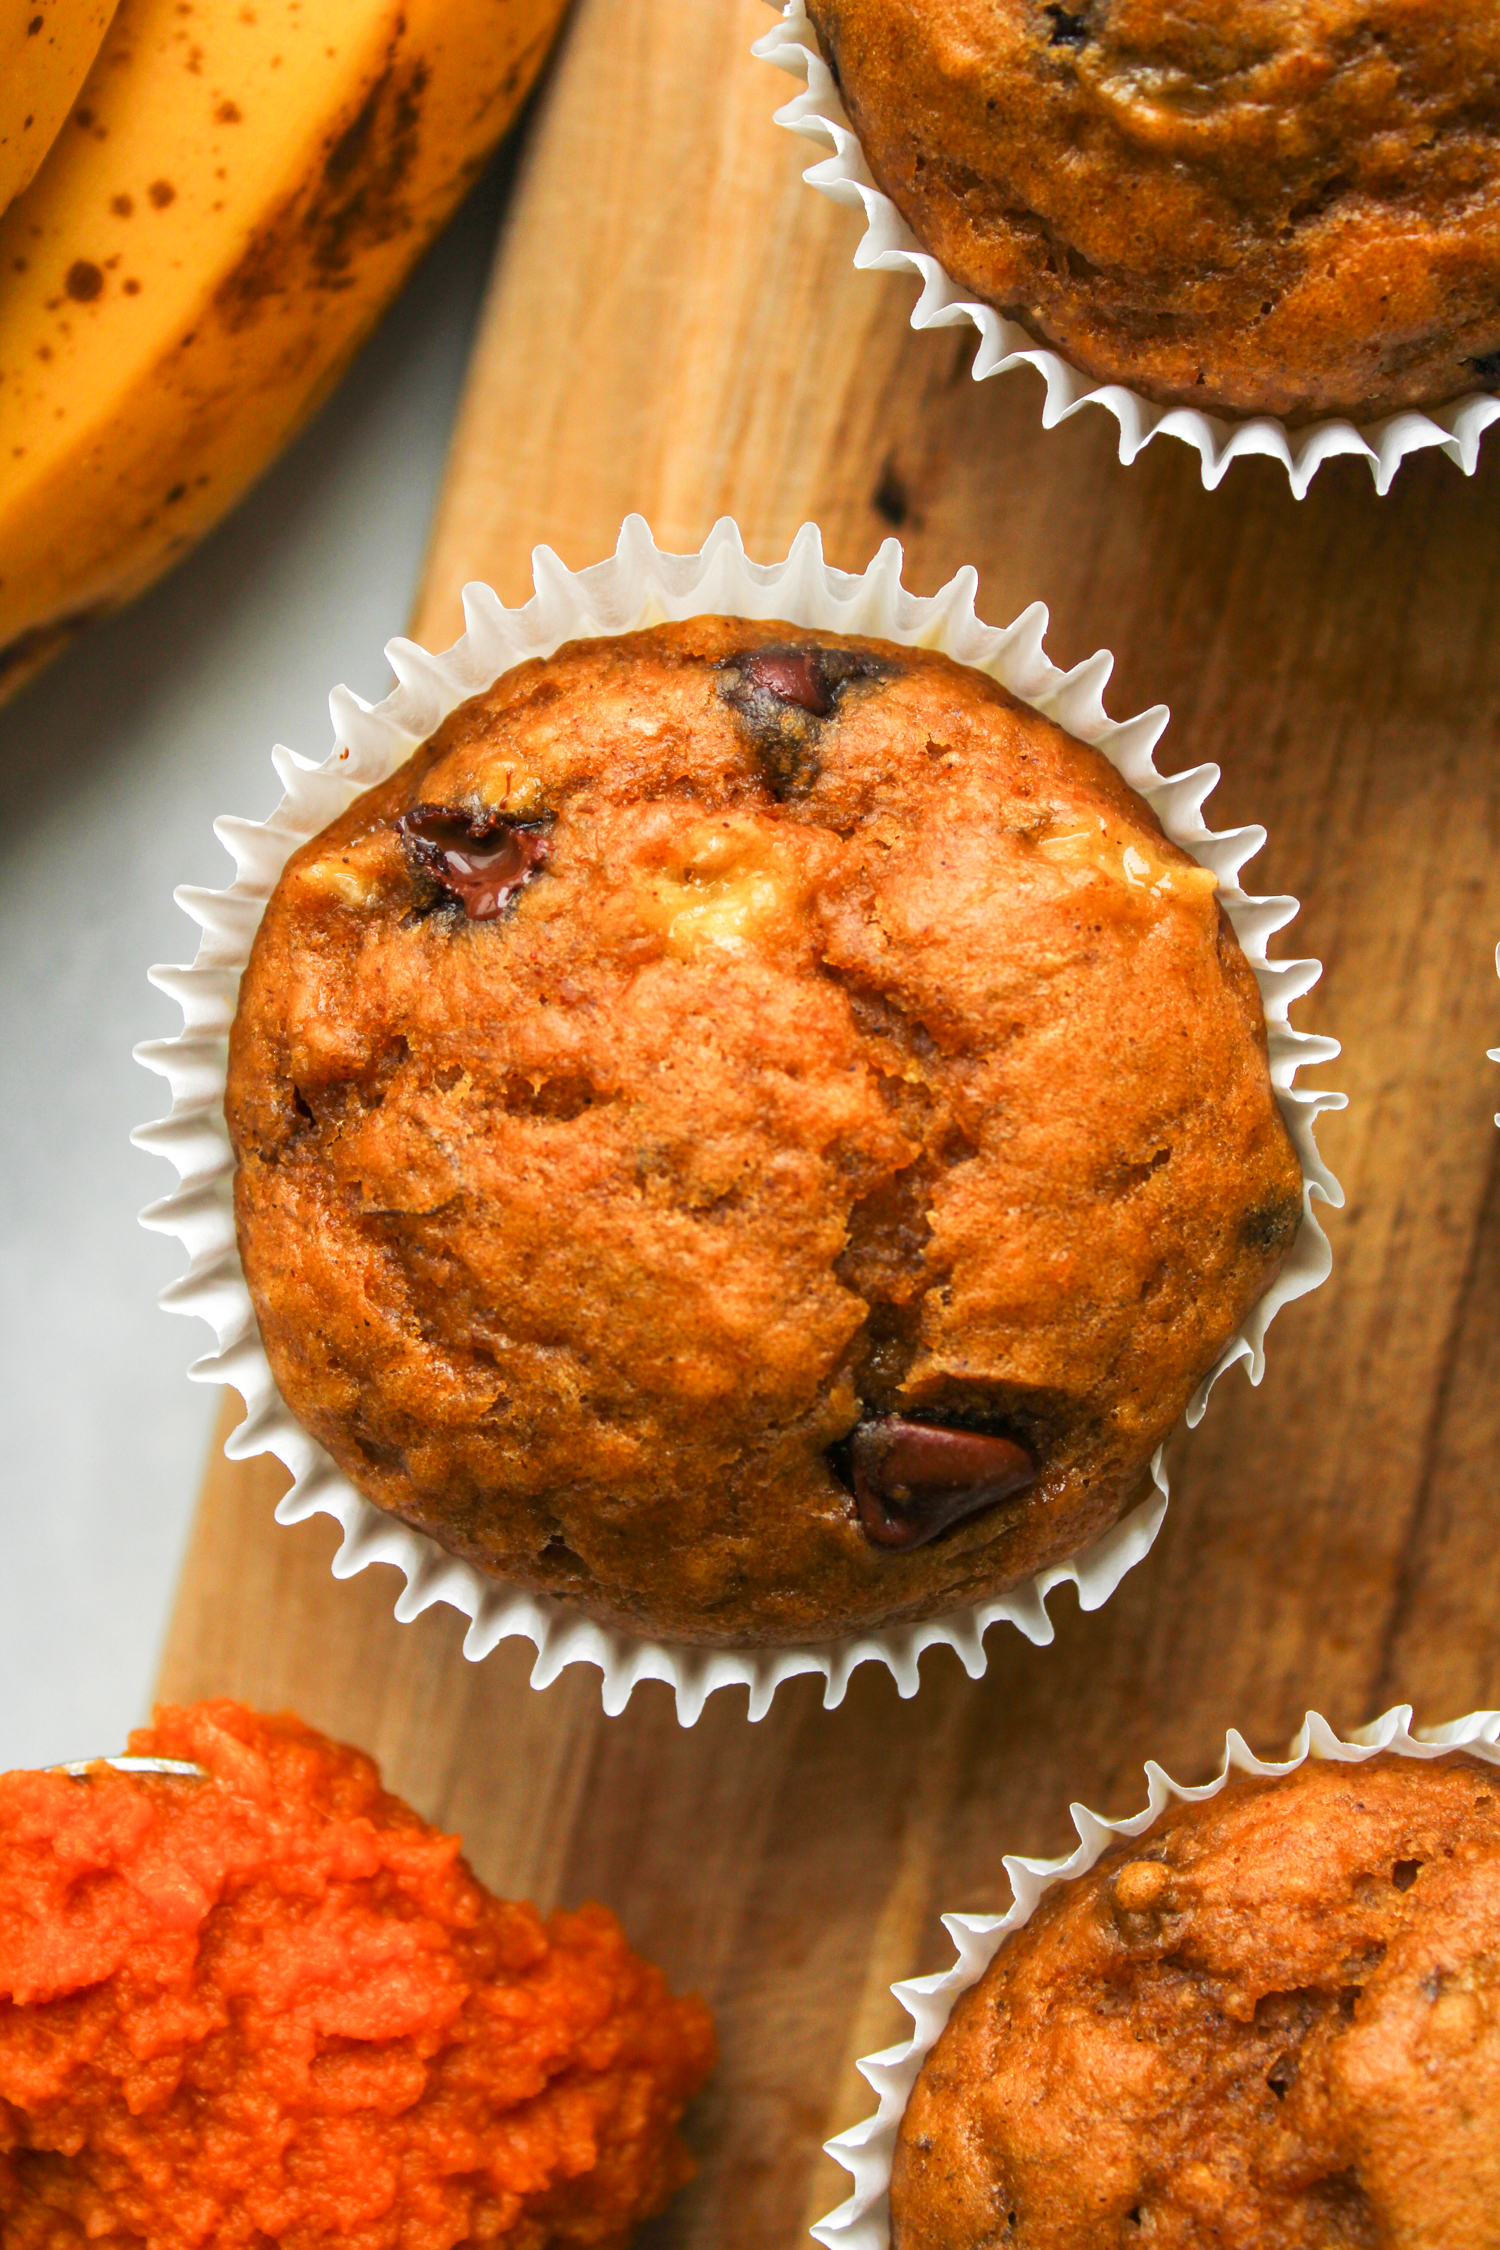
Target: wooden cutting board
<point>675,326</point>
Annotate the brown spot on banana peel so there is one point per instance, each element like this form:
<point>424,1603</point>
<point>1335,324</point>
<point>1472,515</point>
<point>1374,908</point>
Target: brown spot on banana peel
<point>32,651</point>
<point>354,203</point>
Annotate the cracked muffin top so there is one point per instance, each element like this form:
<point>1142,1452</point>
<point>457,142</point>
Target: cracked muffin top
<point>754,1132</point>
<point>1288,207</point>
<point>1271,2023</point>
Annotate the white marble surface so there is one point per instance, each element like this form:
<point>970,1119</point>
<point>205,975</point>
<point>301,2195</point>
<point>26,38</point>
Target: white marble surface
<point>112,768</point>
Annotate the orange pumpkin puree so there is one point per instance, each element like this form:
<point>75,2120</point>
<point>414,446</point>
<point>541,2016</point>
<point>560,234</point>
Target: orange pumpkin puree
<point>273,2006</point>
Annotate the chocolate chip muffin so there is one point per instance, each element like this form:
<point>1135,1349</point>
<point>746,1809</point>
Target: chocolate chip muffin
<point>1272,2023</point>
<point>757,1133</point>
<point>1285,207</point>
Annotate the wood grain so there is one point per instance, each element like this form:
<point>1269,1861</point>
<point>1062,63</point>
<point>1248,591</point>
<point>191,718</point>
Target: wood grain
<point>675,326</point>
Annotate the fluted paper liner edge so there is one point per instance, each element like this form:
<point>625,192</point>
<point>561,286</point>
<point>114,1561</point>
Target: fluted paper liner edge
<point>637,586</point>
<point>888,245</point>
<point>866,2151</point>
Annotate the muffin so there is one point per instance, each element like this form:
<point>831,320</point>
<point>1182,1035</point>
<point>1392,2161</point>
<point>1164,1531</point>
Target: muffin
<point>260,2002</point>
<point>1271,2022</point>
<point>1249,206</point>
<point>753,1132</point>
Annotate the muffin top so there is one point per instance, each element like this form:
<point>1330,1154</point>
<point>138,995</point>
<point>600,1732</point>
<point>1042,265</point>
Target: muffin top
<point>268,2006</point>
<point>757,1133</point>
<point>1266,206</point>
<point>1270,2023</point>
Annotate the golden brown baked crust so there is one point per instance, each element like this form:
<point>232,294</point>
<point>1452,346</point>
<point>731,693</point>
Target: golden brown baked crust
<point>1271,2024</point>
<point>1268,206</point>
<point>883,1061</point>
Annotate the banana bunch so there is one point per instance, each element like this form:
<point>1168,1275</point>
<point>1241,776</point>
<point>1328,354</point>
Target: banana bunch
<point>236,191</point>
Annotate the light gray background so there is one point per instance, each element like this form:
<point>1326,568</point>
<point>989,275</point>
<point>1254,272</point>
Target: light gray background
<point>112,769</point>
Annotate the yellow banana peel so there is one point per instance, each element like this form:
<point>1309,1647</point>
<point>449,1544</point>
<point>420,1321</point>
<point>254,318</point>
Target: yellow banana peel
<point>46,47</point>
<point>240,190</point>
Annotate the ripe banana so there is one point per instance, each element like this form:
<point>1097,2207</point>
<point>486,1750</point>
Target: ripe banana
<point>240,190</point>
<point>46,47</point>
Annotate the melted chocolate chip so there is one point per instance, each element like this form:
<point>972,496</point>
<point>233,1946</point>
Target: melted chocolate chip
<point>1067,30</point>
<point>793,675</point>
<point>479,859</point>
<point>784,694</point>
<point>1487,368</point>
<point>913,1480</point>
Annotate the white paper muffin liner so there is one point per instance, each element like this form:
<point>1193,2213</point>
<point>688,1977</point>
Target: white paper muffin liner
<point>867,2149</point>
<point>889,245</point>
<point>640,586</point>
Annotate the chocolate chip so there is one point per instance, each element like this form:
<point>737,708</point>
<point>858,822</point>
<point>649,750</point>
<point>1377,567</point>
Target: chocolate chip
<point>1272,1226</point>
<point>1487,368</point>
<point>794,675</point>
<point>784,694</point>
<point>479,859</point>
<point>912,1480</point>
<point>1067,30</point>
